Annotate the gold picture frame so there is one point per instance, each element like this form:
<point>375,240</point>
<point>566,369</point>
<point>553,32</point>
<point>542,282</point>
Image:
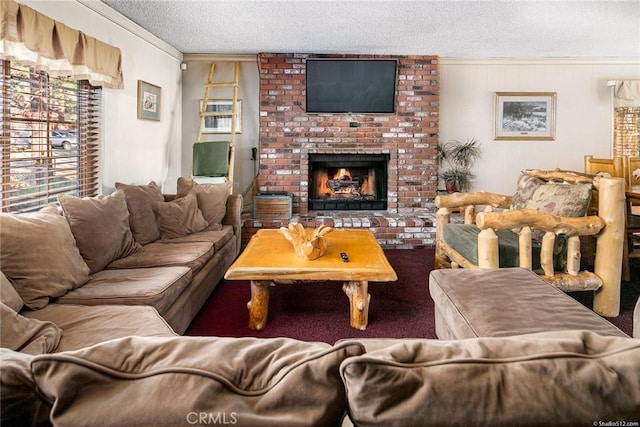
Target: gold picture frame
<point>221,123</point>
<point>525,116</point>
<point>149,101</point>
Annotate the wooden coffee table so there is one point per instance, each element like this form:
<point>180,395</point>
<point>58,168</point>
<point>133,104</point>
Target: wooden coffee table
<point>269,258</point>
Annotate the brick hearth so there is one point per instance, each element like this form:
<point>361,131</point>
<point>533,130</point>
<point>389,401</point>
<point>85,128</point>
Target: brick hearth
<point>393,231</point>
<point>410,136</point>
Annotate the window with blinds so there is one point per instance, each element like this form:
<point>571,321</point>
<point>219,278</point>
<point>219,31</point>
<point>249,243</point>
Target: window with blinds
<point>626,131</point>
<point>50,133</point>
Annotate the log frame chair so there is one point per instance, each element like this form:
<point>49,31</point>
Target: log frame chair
<point>608,227</point>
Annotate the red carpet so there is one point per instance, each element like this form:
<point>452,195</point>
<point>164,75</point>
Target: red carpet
<point>320,311</point>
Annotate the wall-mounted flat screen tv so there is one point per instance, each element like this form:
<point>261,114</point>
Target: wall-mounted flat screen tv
<point>351,85</point>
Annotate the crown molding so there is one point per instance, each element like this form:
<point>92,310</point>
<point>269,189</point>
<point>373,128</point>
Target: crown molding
<point>212,57</point>
<point>127,24</point>
<point>539,61</point>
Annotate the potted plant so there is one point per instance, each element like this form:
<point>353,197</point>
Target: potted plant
<point>459,158</point>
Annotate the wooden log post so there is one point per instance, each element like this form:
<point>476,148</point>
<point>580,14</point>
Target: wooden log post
<point>524,248</point>
<point>546,253</point>
<point>573,256</point>
<point>488,256</point>
<point>259,304</point>
<point>608,262</point>
<point>443,216</point>
<point>359,299</point>
<point>470,214</point>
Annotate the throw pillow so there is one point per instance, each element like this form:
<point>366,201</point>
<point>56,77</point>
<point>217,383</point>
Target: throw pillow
<point>27,335</point>
<point>525,188</point>
<point>100,226</point>
<point>517,380</point>
<point>9,295</point>
<point>179,217</point>
<point>142,219</point>
<point>212,200</point>
<point>39,255</point>
<point>171,381</point>
<point>561,199</point>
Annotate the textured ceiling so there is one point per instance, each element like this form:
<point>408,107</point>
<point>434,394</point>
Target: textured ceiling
<point>471,29</point>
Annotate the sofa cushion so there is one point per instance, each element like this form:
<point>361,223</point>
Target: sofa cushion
<point>248,381</point>
<point>27,335</point>
<point>559,378</point>
<point>467,300</point>
<point>84,326</point>
<point>9,295</point>
<point>157,287</point>
<point>157,254</point>
<point>212,199</point>
<point>142,219</point>
<point>179,217</point>
<point>219,238</point>
<point>100,226</point>
<point>39,255</point>
<point>20,404</point>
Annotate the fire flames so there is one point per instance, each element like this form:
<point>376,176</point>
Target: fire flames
<point>343,185</point>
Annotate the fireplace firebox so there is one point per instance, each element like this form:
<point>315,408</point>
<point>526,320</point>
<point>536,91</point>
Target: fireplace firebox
<point>348,182</point>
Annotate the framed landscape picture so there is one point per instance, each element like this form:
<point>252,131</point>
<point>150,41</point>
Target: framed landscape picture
<point>149,97</point>
<point>525,116</point>
<point>221,121</point>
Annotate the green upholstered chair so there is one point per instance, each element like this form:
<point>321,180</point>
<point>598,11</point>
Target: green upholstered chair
<point>540,228</point>
<point>211,159</point>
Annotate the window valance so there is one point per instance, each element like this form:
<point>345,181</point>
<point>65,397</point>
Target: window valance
<point>627,93</point>
<point>29,36</point>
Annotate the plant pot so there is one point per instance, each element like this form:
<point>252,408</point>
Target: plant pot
<point>450,187</point>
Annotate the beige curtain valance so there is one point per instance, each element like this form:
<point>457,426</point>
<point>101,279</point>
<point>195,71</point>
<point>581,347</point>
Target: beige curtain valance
<point>27,35</point>
<point>627,93</point>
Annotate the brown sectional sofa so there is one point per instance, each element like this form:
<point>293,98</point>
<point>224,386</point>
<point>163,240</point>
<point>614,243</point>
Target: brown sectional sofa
<point>82,269</point>
<point>106,352</point>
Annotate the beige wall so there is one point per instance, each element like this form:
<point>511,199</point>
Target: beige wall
<point>583,123</point>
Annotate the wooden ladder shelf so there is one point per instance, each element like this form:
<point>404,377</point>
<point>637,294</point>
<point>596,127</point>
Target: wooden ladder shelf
<point>209,87</point>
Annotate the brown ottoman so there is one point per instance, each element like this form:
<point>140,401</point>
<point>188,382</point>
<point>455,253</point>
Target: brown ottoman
<point>502,302</point>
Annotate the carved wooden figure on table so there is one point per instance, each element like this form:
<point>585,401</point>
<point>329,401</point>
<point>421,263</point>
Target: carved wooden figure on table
<point>307,244</point>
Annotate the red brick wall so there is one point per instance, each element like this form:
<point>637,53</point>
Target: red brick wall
<point>288,134</point>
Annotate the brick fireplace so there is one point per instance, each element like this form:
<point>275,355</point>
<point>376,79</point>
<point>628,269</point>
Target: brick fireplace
<point>407,139</point>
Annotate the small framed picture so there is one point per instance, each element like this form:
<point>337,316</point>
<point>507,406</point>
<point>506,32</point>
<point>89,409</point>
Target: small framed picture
<point>220,120</point>
<point>525,116</point>
<point>149,101</point>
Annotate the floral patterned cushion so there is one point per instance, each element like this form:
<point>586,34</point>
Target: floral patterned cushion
<point>561,199</point>
<point>525,188</point>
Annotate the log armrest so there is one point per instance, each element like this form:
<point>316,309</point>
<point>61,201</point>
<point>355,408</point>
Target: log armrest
<point>233,217</point>
<point>467,203</point>
<point>457,200</point>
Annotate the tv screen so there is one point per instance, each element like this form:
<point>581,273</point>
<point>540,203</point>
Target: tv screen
<point>351,85</point>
